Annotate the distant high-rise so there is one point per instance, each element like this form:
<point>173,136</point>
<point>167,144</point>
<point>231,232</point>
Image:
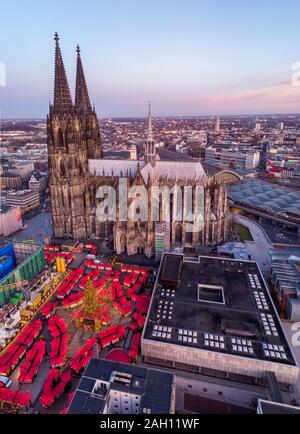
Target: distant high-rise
<point>280,126</point>
<point>217,125</point>
<point>257,127</point>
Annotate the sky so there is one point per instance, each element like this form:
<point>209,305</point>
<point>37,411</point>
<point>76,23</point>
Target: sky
<point>191,57</point>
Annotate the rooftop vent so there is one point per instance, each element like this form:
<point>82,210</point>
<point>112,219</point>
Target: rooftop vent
<point>211,294</point>
<point>236,328</point>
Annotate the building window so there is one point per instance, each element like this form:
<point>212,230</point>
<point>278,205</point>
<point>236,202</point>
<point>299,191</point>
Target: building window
<point>220,393</point>
<point>205,390</point>
<point>190,386</point>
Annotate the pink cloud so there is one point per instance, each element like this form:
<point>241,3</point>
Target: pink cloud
<point>279,95</point>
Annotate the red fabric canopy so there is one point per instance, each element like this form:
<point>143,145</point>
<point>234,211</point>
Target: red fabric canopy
<point>142,303</point>
<point>120,356</point>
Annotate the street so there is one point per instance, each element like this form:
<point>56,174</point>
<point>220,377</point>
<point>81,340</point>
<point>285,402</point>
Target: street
<point>260,246</point>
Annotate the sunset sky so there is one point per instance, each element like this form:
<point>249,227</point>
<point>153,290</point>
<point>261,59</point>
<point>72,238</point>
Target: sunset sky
<point>192,57</point>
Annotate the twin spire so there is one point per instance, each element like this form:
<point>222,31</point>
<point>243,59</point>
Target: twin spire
<point>62,96</point>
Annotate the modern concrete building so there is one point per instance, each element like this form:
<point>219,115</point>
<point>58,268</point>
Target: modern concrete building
<point>7,180</point>
<point>215,316</point>
<point>245,158</point>
<point>23,169</point>
<point>108,387</point>
<point>25,199</point>
<point>217,125</point>
<point>10,219</point>
<point>268,407</point>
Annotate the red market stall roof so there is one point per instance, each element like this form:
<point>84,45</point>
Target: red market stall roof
<point>118,355</point>
<point>93,275</point>
<point>97,265</point>
<point>142,303</point>
<point>15,352</point>
<point>48,309</point>
<point>29,333</point>
<point>54,386</point>
<point>123,306</point>
<point>83,355</point>
<point>60,341</point>
<point>136,270</point>
<point>112,335</point>
<point>52,248</point>
<point>32,363</point>
<point>14,398</point>
<point>57,326</point>
<point>73,300</point>
<point>135,345</point>
<point>138,321</point>
<point>69,282</point>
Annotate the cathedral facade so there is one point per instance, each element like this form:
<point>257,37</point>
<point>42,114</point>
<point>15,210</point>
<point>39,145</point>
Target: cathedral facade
<point>77,170</point>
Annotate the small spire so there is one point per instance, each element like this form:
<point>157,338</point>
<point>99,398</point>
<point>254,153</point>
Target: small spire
<point>62,96</point>
<point>150,150</point>
<point>150,131</point>
<point>82,100</point>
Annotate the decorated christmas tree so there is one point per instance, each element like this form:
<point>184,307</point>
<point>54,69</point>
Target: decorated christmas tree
<point>90,300</point>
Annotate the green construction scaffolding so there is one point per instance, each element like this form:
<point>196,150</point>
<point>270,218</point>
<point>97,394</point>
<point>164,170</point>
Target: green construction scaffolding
<point>26,270</point>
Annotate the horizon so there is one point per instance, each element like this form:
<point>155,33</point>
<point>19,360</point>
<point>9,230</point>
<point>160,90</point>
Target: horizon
<point>159,117</point>
<point>208,59</point>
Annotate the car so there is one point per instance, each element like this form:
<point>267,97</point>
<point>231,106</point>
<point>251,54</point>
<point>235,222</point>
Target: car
<point>5,380</point>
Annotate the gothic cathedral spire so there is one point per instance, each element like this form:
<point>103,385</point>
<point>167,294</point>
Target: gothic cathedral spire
<point>150,131</point>
<point>82,100</point>
<point>62,103</point>
<point>150,151</point>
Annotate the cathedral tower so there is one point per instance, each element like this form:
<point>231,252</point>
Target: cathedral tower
<point>73,137</point>
<point>150,151</point>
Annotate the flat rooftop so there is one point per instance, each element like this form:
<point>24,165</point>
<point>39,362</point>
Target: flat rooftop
<point>153,386</point>
<point>266,407</point>
<point>4,208</point>
<point>218,305</point>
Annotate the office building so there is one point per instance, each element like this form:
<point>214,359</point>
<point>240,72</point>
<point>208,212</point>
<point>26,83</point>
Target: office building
<point>215,316</point>
<point>108,387</point>
<point>25,199</point>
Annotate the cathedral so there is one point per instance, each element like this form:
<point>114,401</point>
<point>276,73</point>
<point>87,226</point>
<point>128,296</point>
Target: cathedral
<point>77,168</point>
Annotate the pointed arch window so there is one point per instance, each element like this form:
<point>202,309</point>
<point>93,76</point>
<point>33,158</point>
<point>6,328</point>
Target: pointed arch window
<point>60,138</point>
<point>178,233</point>
<point>62,169</point>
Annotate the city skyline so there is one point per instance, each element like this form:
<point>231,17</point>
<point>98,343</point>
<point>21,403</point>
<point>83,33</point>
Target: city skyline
<point>189,61</point>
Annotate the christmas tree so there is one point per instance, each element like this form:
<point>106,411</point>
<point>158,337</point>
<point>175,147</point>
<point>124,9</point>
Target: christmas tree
<point>90,299</point>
